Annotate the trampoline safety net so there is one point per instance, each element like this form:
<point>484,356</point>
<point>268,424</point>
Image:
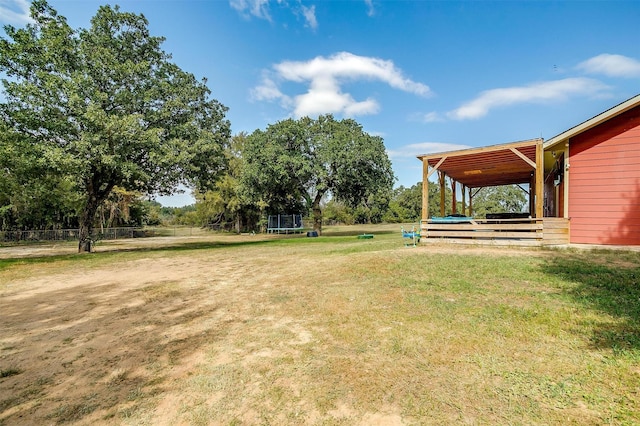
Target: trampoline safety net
<point>285,223</point>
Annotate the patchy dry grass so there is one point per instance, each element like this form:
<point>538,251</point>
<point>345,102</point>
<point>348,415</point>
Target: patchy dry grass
<point>320,331</point>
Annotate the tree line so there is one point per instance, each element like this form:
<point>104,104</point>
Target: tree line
<point>97,120</point>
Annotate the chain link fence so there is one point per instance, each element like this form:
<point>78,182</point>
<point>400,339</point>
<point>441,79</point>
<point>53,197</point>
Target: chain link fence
<point>99,234</point>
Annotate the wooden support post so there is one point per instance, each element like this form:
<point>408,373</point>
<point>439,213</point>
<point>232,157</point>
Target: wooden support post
<point>464,202</point>
<point>426,174</point>
<point>532,184</point>
<point>539,174</point>
<point>425,189</point>
<point>441,178</point>
<point>454,209</point>
<point>470,202</point>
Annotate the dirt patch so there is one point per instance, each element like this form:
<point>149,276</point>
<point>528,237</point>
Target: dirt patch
<point>122,341</point>
<point>248,334</point>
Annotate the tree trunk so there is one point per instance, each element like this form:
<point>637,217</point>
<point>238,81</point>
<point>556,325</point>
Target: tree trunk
<point>86,224</point>
<point>96,194</point>
<point>317,213</point>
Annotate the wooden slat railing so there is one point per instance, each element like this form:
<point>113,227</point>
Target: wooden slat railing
<point>511,231</point>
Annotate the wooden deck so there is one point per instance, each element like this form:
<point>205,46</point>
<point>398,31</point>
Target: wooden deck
<point>523,232</point>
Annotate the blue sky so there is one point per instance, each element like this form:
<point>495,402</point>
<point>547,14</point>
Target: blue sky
<point>426,76</point>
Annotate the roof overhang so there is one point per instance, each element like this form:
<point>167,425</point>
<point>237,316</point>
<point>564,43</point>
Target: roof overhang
<point>505,164</point>
<point>593,122</point>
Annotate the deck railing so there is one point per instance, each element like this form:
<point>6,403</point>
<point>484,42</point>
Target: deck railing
<point>527,231</point>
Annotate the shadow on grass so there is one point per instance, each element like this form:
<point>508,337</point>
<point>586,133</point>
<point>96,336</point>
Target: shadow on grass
<point>353,233</point>
<point>608,282</point>
<point>106,251</point>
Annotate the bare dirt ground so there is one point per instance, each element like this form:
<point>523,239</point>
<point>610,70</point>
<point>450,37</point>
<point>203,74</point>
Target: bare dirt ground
<point>118,343</point>
<point>228,336</point>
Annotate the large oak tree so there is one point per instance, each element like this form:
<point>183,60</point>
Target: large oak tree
<point>295,163</point>
<point>106,106</point>
<point>32,195</point>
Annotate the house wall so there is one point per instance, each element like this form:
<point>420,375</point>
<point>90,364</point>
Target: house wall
<point>554,194</point>
<point>604,182</point>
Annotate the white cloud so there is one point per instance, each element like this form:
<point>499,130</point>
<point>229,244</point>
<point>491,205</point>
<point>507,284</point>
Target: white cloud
<point>319,101</point>
<point>15,12</point>
<point>325,77</point>
<point>612,66</point>
<point>345,65</point>
<point>260,10</point>
<point>557,90</point>
<point>370,10</point>
<point>432,117</point>
<point>269,91</point>
<point>309,14</point>
<point>257,8</point>
<point>415,149</point>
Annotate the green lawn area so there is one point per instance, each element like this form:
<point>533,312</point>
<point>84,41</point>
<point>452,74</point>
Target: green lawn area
<point>332,330</point>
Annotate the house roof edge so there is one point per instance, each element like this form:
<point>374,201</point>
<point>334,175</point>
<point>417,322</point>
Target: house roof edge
<point>593,121</point>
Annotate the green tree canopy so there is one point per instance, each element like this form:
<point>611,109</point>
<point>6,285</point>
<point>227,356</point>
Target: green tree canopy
<point>293,164</point>
<point>32,195</point>
<point>499,199</point>
<point>406,203</point>
<point>224,206</point>
<point>106,107</point>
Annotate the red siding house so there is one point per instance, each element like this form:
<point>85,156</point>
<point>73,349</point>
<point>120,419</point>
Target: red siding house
<point>593,177</point>
<point>583,185</point>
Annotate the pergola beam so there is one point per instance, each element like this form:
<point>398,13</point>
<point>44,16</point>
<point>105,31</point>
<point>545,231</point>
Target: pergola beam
<point>523,157</point>
<point>495,165</point>
<point>434,168</point>
<point>484,149</point>
<point>514,163</point>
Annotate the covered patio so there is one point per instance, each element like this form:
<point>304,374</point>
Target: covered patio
<point>517,163</point>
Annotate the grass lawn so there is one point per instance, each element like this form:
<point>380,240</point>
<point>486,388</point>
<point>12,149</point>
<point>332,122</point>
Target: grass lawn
<point>242,330</point>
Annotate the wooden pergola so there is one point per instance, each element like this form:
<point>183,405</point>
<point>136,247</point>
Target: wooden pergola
<point>516,163</point>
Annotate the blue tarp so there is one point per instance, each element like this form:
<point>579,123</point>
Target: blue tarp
<point>451,219</point>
